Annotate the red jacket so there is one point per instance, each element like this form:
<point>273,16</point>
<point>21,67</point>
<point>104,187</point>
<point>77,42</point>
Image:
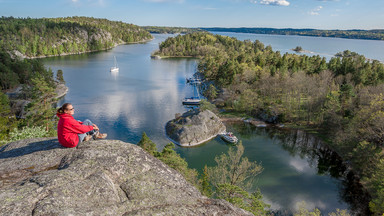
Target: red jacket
<point>68,129</point>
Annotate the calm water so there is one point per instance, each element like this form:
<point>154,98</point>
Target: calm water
<point>325,47</point>
<point>147,93</point>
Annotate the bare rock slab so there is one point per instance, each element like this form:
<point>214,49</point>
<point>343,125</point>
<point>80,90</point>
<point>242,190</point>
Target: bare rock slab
<point>104,177</point>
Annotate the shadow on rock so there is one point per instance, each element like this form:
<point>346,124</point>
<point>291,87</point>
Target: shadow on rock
<point>20,149</point>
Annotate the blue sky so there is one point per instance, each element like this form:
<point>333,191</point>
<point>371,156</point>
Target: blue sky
<point>319,14</point>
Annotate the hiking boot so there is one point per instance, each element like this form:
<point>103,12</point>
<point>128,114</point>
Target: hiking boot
<point>87,138</point>
<point>102,136</point>
<point>99,135</point>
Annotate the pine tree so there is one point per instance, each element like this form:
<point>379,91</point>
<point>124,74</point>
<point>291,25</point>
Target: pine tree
<point>147,145</point>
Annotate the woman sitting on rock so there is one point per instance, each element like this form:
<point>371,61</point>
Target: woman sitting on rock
<point>71,132</point>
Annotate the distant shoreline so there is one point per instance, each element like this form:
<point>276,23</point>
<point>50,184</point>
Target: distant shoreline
<point>345,34</point>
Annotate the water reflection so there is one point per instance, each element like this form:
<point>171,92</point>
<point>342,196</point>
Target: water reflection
<point>314,169</point>
<point>147,93</point>
<point>114,74</point>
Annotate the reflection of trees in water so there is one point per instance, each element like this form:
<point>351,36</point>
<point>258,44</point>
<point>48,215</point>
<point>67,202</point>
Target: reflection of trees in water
<point>327,162</point>
<point>316,152</point>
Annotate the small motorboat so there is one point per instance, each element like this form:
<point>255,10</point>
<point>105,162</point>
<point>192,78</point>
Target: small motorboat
<point>229,137</point>
<point>194,101</point>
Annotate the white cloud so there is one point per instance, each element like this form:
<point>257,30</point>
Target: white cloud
<point>75,1</point>
<point>315,11</point>
<point>275,2</point>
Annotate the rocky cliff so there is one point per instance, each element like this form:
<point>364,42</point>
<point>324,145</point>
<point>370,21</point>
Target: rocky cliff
<point>105,177</point>
<point>194,127</point>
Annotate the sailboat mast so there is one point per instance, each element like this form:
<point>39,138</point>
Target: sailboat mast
<point>115,61</point>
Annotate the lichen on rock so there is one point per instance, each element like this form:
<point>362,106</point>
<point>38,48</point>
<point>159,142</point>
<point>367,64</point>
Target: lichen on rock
<point>103,177</point>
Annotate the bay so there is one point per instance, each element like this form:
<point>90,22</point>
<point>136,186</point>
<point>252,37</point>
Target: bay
<point>323,46</point>
<point>146,93</point>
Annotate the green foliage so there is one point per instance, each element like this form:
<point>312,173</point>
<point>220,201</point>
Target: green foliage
<point>70,35</point>
<point>60,77</point>
<point>7,122</point>
<point>40,110</point>
<point>377,204</point>
<point>206,105</point>
<point>27,133</point>
<point>205,186</point>
<point>171,158</point>
<point>342,98</point>
<point>242,199</point>
<point>298,49</point>
<point>305,212</point>
<point>234,169</point>
<point>148,145</point>
<point>169,30</point>
<point>232,175</point>
<point>38,87</point>
<point>211,92</point>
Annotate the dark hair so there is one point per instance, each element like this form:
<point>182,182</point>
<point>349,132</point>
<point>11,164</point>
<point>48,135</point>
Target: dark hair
<point>63,108</point>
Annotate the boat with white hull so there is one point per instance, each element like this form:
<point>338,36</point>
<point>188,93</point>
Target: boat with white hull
<point>115,68</point>
<point>229,137</point>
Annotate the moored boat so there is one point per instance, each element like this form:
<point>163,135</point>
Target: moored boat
<point>191,101</point>
<point>193,81</point>
<point>115,68</point>
<point>229,137</point>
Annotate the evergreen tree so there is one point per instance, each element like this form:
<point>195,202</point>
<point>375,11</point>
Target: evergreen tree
<point>148,145</point>
<point>60,77</point>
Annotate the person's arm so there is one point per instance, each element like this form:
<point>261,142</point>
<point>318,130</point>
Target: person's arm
<point>77,127</point>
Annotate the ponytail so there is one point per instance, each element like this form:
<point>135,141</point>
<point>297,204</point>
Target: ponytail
<point>63,108</point>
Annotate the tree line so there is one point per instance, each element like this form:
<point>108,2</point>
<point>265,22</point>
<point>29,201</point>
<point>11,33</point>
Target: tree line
<point>342,98</point>
<point>170,30</point>
<point>38,86</point>
<point>69,35</point>
<point>377,34</point>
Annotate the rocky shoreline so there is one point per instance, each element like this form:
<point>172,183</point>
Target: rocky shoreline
<point>61,90</point>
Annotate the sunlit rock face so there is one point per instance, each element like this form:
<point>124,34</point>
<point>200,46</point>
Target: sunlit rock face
<point>104,177</point>
<point>194,127</point>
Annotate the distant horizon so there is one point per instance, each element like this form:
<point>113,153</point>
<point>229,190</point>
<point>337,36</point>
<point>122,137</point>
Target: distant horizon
<point>231,27</point>
<point>295,14</point>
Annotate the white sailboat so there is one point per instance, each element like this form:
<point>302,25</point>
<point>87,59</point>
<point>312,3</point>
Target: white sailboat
<point>115,68</point>
<point>195,100</point>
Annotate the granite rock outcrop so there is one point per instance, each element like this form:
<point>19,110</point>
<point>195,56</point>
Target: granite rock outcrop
<point>194,127</point>
<point>103,177</point>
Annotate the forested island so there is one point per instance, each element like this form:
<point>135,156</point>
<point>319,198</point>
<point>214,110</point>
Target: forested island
<point>44,37</point>
<point>170,30</point>
<point>341,100</point>
<point>376,34</point>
